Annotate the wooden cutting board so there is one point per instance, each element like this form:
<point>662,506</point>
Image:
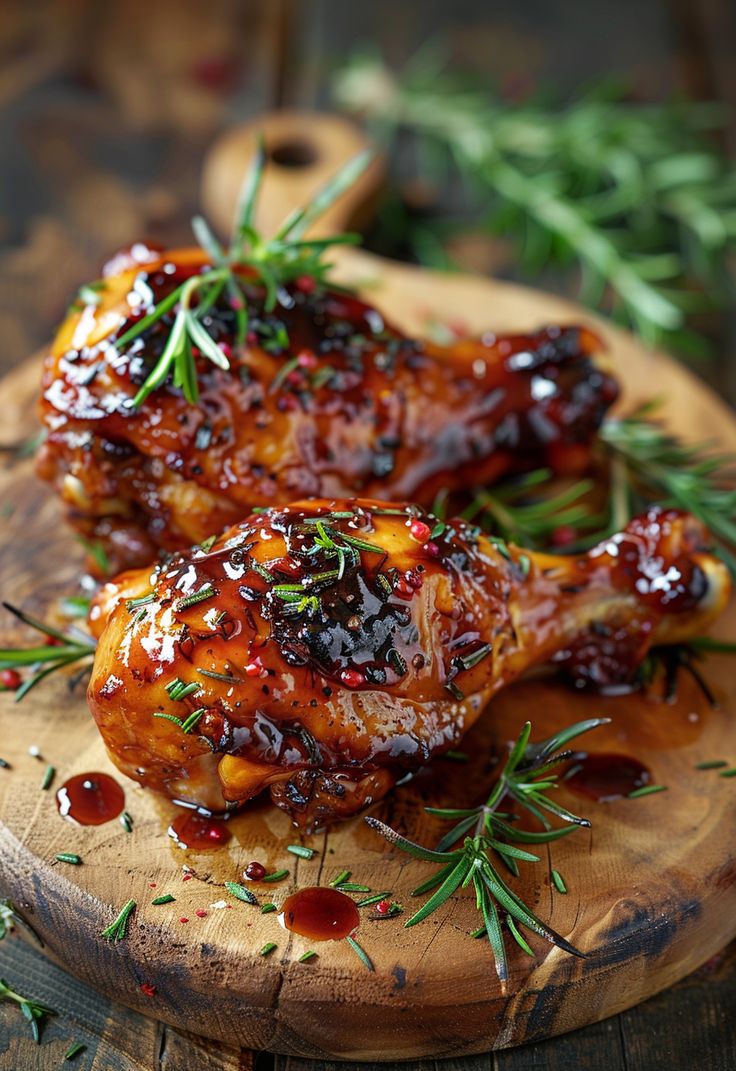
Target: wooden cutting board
<point>652,886</point>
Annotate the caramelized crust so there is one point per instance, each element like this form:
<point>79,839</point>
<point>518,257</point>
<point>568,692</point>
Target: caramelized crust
<point>325,649</point>
<point>324,399</point>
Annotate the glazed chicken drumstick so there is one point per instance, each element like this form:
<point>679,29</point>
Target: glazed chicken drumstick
<point>325,649</point>
<point>323,399</point>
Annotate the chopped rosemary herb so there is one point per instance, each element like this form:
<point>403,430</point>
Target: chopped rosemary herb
<point>179,689</point>
<point>69,857</point>
<point>142,600</point>
<point>351,886</point>
<point>74,1049</point>
<point>471,660</point>
<point>48,777</point>
<point>558,882</point>
<point>728,773</point>
<point>647,790</point>
<point>268,948</point>
<point>118,929</point>
<point>343,876</point>
<point>361,954</point>
<point>207,592</point>
<point>376,898</point>
<point>189,723</point>
<point>301,851</point>
<point>278,875</point>
<point>164,898</point>
<point>207,544</point>
<point>712,764</point>
<point>306,956</point>
<point>267,909</point>
<point>126,821</point>
<point>241,893</point>
<point>227,677</point>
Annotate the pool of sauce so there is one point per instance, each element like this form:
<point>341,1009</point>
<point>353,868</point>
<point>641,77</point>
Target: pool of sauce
<point>90,799</point>
<point>321,914</point>
<point>606,776</point>
<point>199,832</point>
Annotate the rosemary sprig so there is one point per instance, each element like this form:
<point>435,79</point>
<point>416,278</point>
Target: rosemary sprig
<point>33,1010</point>
<point>635,196</point>
<point>647,465</point>
<point>249,260</point>
<point>71,647</point>
<point>527,778</point>
<point>523,510</point>
<point>656,466</point>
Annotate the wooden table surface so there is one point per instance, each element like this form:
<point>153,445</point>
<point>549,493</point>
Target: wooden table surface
<point>103,130</point>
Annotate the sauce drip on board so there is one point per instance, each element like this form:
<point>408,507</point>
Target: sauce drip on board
<point>199,832</point>
<point>321,914</point>
<point>90,799</point>
<point>606,776</point>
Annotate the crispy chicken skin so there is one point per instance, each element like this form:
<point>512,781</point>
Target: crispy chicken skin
<point>323,400</point>
<point>332,647</point>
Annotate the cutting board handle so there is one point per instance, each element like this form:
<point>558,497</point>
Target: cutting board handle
<point>304,150</point>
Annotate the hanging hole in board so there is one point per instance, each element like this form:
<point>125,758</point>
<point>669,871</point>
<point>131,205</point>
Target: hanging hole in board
<point>293,154</point>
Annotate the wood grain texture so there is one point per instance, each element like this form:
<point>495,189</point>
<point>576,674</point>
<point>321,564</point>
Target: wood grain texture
<point>652,890</point>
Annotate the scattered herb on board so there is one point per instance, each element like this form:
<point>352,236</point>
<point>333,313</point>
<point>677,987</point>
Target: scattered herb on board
<point>488,836</point>
<point>74,1050</point>
<point>241,893</point>
<point>118,929</point>
<point>33,1010</point>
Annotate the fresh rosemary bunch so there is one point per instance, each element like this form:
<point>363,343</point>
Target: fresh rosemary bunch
<point>250,259</point>
<point>490,837</point>
<point>61,649</point>
<point>635,196</point>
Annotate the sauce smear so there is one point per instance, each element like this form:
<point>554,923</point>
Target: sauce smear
<point>321,914</point>
<point>199,832</point>
<point>605,777</point>
<point>90,799</point>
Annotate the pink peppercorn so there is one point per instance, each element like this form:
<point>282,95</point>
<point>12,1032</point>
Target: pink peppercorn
<point>564,536</point>
<point>383,907</point>
<point>352,678</point>
<point>420,531</point>
<point>254,871</point>
<point>305,283</point>
<point>10,679</point>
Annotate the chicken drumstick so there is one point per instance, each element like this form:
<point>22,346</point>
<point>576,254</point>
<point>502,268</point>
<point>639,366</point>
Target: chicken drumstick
<point>324,649</point>
<point>324,399</point>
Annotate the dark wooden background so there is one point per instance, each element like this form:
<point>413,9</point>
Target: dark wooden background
<point>105,113</point>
